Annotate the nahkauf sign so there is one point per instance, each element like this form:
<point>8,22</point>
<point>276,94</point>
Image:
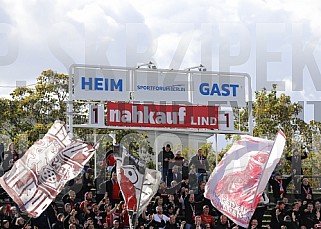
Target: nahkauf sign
<point>157,115</point>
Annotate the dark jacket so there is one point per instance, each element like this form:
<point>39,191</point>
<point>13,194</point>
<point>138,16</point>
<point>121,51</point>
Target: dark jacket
<point>164,154</point>
<point>276,187</point>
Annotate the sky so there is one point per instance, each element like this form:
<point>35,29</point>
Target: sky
<point>273,41</point>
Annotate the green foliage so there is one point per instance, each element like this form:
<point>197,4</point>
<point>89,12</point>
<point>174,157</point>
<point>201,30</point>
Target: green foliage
<point>31,112</point>
<point>150,165</point>
<point>271,112</point>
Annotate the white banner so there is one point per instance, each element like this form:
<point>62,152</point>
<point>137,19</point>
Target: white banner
<point>237,183</point>
<point>39,176</point>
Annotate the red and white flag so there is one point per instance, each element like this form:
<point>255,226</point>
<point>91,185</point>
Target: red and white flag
<point>237,183</point>
<point>138,184</point>
<point>40,175</point>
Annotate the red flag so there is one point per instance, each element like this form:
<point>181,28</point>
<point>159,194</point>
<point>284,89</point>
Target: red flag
<point>39,176</point>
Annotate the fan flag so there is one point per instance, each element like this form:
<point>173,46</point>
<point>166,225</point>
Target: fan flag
<point>237,183</point>
<point>137,183</point>
<point>39,176</point>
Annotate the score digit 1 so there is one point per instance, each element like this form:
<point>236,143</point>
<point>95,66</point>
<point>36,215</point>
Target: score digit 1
<point>96,114</point>
<point>225,118</point>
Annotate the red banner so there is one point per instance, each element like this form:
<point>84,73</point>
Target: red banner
<point>158,115</point>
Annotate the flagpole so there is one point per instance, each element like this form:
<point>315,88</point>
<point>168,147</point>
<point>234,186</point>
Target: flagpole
<point>216,151</point>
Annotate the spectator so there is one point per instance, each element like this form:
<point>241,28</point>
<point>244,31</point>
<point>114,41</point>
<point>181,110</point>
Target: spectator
<point>13,215</point>
<point>185,170</point>
<point>288,223</point>
<point>277,215</point>
<point>77,186</point>
<point>170,211</point>
<point>193,180</point>
<point>97,216</point>
<point>297,171</point>
<point>164,158</point>
<point>5,224</point>
<point>46,219</point>
<point>109,214</point>
<point>172,224</point>
<point>121,214</point>
<point>163,191</point>
<point>296,161</point>
<point>177,175</point>
<point>295,214</point>
<point>223,223</point>
<point>206,217</point>
<point>199,194</point>
<point>286,202</point>
<point>19,224</point>
<point>88,201</point>
<point>306,190</point>
<point>101,189</point>
<point>89,223</point>
<point>178,160</point>
<point>105,201</point>
<point>279,186</point>
<point>198,223</point>
<point>85,208</point>
<point>174,201</point>
<point>113,189</point>
<point>115,224</point>
<point>309,217</point>
<point>71,219</point>
<point>159,201</point>
<point>1,158</point>
<point>200,163</point>
<point>72,226</point>
<point>109,160</point>
<point>254,224</point>
<point>10,157</point>
<point>190,209</point>
<point>159,219</point>
<point>59,224</point>
<point>70,198</point>
<point>67,209</point>
<point>317,208</point>
<point>185,183</point>
<point>260,209</point>
<point>88,180</point>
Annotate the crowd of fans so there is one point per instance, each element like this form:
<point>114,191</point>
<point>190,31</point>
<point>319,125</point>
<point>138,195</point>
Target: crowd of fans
<point>91,202</point>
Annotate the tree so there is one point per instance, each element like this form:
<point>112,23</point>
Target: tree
<point>271,112</point>
<point>31,112</point>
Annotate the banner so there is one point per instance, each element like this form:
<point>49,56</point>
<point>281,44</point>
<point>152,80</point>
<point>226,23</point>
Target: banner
<point>237,183</point>
<point>40,175</point>
<point>137,183</point>
<point>159,115</point>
